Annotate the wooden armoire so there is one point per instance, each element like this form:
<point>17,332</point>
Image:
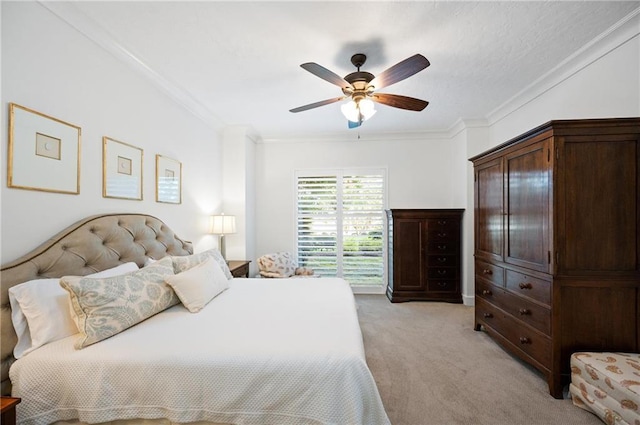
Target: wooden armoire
<point>557,245</point>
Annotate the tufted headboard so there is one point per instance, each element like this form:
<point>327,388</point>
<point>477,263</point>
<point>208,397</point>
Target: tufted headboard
<point>94,244</point>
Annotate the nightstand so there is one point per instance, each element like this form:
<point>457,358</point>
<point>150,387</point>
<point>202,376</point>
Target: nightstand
<point>239,268</point>
<point>8,410</point>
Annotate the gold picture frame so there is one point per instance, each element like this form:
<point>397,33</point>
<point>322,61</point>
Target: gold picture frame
<point>44,152</point>
<point>168,180</point>
<point>121,170</point>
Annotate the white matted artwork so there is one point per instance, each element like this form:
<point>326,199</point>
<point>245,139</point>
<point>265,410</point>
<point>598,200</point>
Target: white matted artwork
<point>121,170</point>
<point>168,180</point>
<point>44,152</point>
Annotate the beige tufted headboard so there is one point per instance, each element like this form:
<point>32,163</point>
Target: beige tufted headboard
<point>94,244</point>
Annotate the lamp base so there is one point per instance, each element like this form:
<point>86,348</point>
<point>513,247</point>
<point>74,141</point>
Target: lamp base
<point>222,246</point>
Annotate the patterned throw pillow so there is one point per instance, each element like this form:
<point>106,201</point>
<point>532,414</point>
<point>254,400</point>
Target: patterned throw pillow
<point>280,264</point>
<point>104,307</point>
<point>183,263</point>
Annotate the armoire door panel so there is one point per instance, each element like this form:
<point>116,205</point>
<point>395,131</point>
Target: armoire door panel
<point>599,230</point>
<point>409,258</point>
<point>489,210</point>
<point>527,207</point>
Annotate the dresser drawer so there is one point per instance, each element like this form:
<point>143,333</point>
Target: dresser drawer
<point>527,311</point>
<point>490,272</point>
<point>529,286</point>
<point>524,338</point>
<point>443,260</point>
<point>440,229</point>
<point>439,285</point>
<point>443,272</point>
<point>443,247</point>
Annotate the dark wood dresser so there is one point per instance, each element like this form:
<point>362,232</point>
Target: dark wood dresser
<point>424,255</point>
<point>557,258</point>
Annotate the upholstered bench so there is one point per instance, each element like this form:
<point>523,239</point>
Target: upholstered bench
<point>608,385</point>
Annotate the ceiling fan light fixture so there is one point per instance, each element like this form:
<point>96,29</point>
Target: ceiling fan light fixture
<point>358,110</point>
<point>350,111</point>
<point>367,108</point>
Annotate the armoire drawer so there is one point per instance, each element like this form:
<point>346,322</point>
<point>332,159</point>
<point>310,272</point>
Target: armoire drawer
<point>442,260</point>
<point>444,234</point>
<point>490,272</point>
<point>440,285</point>
<point>529,312</point>
<point>523,337</point>
<point>529,286</point>
<point>443,272</point>
<point>443,247</point>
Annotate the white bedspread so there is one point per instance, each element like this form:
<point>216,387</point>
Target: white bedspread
<point>266,351</point>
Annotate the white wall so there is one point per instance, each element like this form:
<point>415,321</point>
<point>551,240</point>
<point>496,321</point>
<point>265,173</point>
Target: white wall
<point>50,67</point>
<point>605,83</point>
<point>239,182</point>
<point>419,175</point>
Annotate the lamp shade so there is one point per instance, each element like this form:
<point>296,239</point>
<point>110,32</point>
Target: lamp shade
<point>223,224</point>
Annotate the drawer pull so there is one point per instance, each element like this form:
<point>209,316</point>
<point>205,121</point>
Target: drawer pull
<point>488,315</point>
<point>524,311</point>
<point>442,234</point>
<point>525,286</point>
<point>524,340</point>
<point>442,259</point>
<point>442,272</point>
<point>442,247</point>
<point>443,284</point>
<point>486,292</point>
<point>442,222</point>
<point>487,271</point>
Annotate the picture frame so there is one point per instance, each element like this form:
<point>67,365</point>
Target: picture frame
<point>44,152</point>
<point>121,170</point>
<point>168,180</point>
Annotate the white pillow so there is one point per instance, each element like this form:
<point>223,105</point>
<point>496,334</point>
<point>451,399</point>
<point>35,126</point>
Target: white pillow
<point>198,285</point>
<point>40,310</point>
<point>182,263</point>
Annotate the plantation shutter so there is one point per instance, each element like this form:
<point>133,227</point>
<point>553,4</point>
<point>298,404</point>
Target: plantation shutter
<point>340,224</point>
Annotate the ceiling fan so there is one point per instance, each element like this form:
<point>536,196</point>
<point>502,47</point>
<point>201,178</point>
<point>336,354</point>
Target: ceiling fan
<point>361,87</point>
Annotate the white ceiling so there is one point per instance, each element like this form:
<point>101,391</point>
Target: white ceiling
<point>239,61</point>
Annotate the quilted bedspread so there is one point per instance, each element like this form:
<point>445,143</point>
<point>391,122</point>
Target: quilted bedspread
<point>266,351</point>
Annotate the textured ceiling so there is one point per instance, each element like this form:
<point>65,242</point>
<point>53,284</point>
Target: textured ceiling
<point>240,60</point>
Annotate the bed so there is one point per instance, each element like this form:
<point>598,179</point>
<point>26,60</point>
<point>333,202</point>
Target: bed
<point>263,351</point>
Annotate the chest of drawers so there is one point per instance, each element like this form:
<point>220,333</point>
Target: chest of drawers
<point>424,255</point>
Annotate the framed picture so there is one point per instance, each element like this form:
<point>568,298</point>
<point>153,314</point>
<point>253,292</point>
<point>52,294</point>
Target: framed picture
<point>121,170</point>
<point>168,180</point>
<point>44,152</point>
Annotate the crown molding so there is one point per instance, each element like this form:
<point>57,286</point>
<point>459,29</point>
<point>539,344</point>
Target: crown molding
<point>617,35</point>
<point>70,14</point>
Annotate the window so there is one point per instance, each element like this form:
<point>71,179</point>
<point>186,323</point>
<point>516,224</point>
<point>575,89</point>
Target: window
<point>340,220</point>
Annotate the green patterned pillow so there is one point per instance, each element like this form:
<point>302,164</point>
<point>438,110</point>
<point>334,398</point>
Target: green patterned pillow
<point>181,264</point>
<point>107,306</point>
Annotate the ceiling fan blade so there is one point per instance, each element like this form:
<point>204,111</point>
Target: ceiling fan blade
<point>402,102</point>
<point>400,71</point>
<point>317,104</point>
<point>325,74</point>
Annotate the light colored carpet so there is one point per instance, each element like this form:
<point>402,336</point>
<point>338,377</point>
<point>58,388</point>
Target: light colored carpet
<point>431,367</point>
